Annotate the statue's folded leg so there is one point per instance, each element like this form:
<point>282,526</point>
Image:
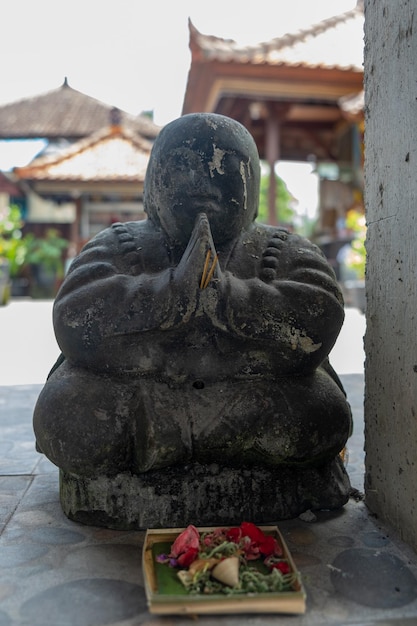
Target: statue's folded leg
<point>304,420</point>
<point>269,450</point>
<point>318,421</point>
<point>82,422</point>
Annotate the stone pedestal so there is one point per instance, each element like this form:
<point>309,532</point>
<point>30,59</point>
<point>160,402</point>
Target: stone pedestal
<point>203,495</point>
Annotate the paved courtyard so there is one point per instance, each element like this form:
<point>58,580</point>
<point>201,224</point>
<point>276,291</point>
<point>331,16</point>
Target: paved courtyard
<point>54,572</point>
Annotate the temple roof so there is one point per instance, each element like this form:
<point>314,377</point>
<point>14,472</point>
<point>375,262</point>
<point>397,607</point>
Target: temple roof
<point>304,81</point>
<point>114,154</point>
<point>320,45</point>
<point>65,112</point>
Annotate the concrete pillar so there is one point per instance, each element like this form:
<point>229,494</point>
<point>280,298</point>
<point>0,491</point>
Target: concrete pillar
<point>391,205</point>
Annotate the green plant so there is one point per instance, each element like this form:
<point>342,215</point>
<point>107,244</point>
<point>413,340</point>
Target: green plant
<point>47,251</point>
<point>13,246</point>
<point>21,250</point>
<point>284,201</point>
<point>356,258</point>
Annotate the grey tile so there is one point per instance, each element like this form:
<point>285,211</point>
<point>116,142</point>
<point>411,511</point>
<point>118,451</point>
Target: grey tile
<point>84,602</point>
<point>53,571</point>
<point>12,489</point>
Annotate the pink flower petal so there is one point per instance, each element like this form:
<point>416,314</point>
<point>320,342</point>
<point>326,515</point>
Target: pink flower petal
<point>189,538</point>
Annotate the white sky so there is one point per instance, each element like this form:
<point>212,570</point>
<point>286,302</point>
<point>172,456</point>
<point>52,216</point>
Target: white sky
<point>130,53</point>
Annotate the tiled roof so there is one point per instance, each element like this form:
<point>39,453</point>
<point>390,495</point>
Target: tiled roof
<point>9,187</point>
<point>336,42</point>
<point>65,112</point>
<point>114,154</point>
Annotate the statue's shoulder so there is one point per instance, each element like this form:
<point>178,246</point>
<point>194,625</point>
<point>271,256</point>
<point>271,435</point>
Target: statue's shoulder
<point>128,236</point>
<point>264,234</point>
<point>123,243</point>
<point>126,232</point>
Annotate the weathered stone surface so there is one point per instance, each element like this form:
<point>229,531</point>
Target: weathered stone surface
<point>196,338</point>
<point>391,286</point>
<point>372,578</point>
<point>211,494</point>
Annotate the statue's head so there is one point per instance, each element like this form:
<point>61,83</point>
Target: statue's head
<point>203,163</point>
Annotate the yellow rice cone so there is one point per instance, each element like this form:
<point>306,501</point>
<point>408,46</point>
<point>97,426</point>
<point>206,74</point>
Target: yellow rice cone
<point>227,571</point>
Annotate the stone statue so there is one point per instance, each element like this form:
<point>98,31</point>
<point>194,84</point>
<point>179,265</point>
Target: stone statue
<point>194,353</point>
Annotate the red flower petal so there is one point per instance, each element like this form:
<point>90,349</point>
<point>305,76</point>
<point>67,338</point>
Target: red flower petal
<point>189,538</point>
<point>283,567</point>
<point>252,531</point>
<point>234,534</point>
<point>185,559</point>
<point>268,545</point>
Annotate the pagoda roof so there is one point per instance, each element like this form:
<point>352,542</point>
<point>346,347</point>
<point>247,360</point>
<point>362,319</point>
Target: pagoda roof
<point>65,112</point>
<point>301,80</point>
<point>318,46</point>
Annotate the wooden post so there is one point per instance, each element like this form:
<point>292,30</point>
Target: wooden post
<point>272,151</point>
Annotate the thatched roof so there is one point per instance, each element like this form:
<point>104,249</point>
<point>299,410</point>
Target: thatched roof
<point>66,112</point>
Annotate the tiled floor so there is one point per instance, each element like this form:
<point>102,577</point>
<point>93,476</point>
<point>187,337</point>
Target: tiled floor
<point>54,572</point>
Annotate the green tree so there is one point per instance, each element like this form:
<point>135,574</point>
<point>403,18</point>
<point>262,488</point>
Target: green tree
<point>284,201</point>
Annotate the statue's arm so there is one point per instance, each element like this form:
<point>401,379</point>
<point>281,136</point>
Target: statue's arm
<point>104,301</point>
<point>97,303</point>
<point>294,304</point>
